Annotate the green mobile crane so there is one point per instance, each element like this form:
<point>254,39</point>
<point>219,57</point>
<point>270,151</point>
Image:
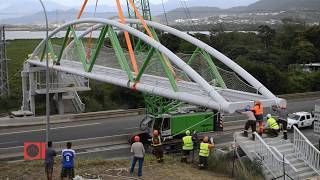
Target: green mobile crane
<point>171,117</point>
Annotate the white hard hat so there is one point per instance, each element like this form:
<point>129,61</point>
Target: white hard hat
<point>269,116</point>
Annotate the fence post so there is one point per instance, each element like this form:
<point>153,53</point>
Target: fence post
<point>284,168</point>
<point>234,158</point>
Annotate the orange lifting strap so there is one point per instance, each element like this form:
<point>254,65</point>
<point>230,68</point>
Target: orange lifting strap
<point>82,9</point>
<point>79,16</point>
<point>128,41</point>
<point>144,24</point>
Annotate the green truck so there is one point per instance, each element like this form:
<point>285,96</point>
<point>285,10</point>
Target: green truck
<point>173,126</point>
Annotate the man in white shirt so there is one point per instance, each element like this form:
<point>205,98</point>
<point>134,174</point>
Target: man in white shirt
<point>138,151</point>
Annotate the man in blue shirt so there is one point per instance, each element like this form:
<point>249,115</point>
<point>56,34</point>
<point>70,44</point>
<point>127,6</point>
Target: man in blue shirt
<point>67,162</point>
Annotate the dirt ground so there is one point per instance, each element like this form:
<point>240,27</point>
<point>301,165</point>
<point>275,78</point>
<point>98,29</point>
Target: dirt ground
<point>107,169</point>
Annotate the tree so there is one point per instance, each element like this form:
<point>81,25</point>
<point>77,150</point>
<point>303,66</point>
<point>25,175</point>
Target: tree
<point>266,34</point>
<point>304,52</point>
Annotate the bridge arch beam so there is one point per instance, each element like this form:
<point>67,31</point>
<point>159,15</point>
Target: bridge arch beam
<point>212,93</point>
<point>215,53</point>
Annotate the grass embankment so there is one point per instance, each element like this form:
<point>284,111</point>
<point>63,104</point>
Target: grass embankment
<point>106,97</point>
<point>220,167</point>
<point>17,53</point>
<point>112,169</point>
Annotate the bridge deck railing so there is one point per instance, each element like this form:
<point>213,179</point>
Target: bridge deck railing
<point>306,151</point>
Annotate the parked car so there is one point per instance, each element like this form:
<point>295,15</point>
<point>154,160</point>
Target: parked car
<point>300,119</point>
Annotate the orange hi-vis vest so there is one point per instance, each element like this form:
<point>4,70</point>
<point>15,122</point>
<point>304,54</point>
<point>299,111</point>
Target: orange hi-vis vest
<point>258,109</point>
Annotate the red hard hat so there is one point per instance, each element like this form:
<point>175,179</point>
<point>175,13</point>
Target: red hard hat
<point>136,138</point>
<point>156,132</point>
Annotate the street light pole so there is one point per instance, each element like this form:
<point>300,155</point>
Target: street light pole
<point>47,75</point>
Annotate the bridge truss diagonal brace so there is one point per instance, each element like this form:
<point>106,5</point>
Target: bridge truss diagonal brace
<point>214,95</point>
<point>219,56</point>
<point>206,48</point>
<point>158,91</point>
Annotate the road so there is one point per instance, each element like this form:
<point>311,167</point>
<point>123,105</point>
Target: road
<point>14,137</point>
<point>69,131</point>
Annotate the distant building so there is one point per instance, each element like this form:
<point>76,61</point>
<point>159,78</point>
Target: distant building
<point>311,67</point>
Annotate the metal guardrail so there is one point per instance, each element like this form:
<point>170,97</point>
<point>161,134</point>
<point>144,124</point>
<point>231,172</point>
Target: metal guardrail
<point>77,103</point>
<point>272,160</point>
<point>316,127</point>
<point>305,150</point>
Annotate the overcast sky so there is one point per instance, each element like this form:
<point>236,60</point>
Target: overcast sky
<point>92,2</point>
<point>112,2</point>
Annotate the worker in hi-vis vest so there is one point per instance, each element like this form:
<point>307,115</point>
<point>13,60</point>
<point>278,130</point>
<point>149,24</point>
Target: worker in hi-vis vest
<point>282,119</point>
<point>204,152</point>
<point>187,146</point>
<point>272,126</point>
<point>258,113</point>
<point>157,146</point>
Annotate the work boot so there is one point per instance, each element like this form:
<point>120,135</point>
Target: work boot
<point>253,137</point>
<point>285,136</point>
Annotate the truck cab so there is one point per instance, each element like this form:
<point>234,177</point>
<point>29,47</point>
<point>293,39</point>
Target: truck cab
<point>300,119</point>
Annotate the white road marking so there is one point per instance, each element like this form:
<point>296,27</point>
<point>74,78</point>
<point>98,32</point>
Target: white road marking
<point>9,142</point>
<point>62,127</point>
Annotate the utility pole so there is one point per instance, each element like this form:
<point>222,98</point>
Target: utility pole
<point>47,75</point>
<point>4,81</point>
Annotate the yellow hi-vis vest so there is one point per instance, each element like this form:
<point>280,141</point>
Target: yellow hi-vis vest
<point>204,149</point>
<point>187,143</point>
<point>273,123</point>
<point>156,141</point>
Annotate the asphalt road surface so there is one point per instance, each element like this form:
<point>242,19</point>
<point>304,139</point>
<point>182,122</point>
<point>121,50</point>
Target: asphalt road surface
<point>70,131</point>
<point>13,137</point>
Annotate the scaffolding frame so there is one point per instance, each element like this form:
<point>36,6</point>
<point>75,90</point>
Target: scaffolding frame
<point>4,77</point>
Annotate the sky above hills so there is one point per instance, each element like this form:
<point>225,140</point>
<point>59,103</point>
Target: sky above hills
<point>215,3</point>
<point>77,3</point>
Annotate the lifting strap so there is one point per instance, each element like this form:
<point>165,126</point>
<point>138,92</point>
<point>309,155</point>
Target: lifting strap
<point>79,16</point>
<point>145,26</point>
<point>128,41</point>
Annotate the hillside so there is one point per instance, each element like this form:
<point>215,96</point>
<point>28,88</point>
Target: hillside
<point>283,5</point>
<point>274,12</point>
<point>18,8</point>
<point>195,12</point>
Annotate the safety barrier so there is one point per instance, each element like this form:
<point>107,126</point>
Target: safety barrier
<point>305,150</point>
<point>273,160</point>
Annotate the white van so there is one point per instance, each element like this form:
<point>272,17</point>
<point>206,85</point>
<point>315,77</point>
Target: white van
<point>300,119</point>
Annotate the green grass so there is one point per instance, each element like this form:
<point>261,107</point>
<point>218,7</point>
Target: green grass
<point>224,164</point>
<point>17,53</point>
<point>112,169</point>
<point>106,96</point>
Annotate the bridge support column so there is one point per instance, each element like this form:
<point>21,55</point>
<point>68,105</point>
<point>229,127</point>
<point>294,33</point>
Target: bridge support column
<point>32,94</point>
<point>60,103</point>
<point>25,93</point>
